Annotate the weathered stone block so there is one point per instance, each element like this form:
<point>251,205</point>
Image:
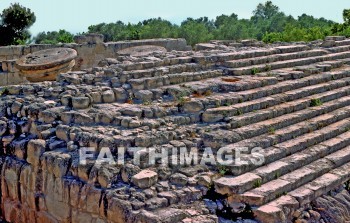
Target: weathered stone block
<point>35,149</point>
<point>145,179</point>
<point>81,102</point>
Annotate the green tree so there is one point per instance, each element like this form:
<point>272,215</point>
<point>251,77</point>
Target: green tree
<point>194,32</point>
<point>267,23</point>
<point>62,36</point>
<point>158,28</point>
<point>111,31</point>
<point>223,19</point>
<point>346,16</point>
<point>344,28</point>
<point>233,29</point>
<point>265,11</point>
<point>307,21</point>
<point>14,24</point>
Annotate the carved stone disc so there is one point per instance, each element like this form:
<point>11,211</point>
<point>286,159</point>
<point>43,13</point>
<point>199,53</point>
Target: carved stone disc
<point>45,59</point>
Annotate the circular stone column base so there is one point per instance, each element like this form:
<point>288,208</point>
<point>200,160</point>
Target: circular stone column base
<point>45,65</point>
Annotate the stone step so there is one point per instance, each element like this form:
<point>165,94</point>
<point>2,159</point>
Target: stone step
<point>322,184</point>
<point>282,150</point>
<point>278,129</point>
<point>252,70</point>
<point>291,49</point>
<point>219,114</point>
<point>339,49</point>
<point>274,58</point>
<point>222,57</point>
<point>271,171</point>
<point>224,113</point>
<point>290,181</point>
<point>150,112</point>
<point>203,89</point>
<point>305,156</point>
<point>159,71</point>
<point>153,64</point>
<point>218,59</point>
<point>345,61</point>
<point>293,104</point>
<point>304,71</point>
<point>335,38</point>
<point>246,91</point>
<point>281,209</point>
<point>171,79</point>
<point>115,76</point>
<point>213,85</point>
<point>342,42</point>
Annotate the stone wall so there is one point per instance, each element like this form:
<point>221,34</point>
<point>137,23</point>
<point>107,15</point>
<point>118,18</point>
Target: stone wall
<point>37,190</point>
<point>89,54</point>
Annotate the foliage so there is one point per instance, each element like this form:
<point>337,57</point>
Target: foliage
<point>344,28</point>
<point>157,28</point>
<point>265,11</point>
<point>268,23</point>
<point>315,102</point>
<point>62,36</point>
<point>195,31</point>
<point>297,33</point>
<point>346,16</point>
<point>14,24</point>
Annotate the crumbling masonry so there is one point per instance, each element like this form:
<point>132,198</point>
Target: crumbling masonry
<point>292,100</point>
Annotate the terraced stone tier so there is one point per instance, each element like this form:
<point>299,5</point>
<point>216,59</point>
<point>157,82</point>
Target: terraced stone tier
<point>292,102</point>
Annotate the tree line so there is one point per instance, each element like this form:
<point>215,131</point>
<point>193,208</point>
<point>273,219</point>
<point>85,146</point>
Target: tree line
<point>268,23</point>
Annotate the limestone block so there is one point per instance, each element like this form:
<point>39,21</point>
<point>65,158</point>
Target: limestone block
<point>144,95</point>
<point>270,214</point>
<point>117,210</point>
<point>62,132</point>
<point>81,102</point>
<point>11,179</point>
<point>35,149</point>
<point>108,96</point>
<point>92,200</point>
<point>106,175</point>
<point>61,164</point>
<point>193,106</point>
<point>120,94</point>
<point>145,179</point>
<point>128,171</point>
<point>66,100</point>
<point>74,192</point>
<point>84,170</point>
<point>82,118</point>
<point>179,179</point>
<point>97,97</point>
<point>132,111</point>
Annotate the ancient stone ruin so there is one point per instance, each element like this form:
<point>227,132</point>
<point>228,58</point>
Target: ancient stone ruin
<point>45,65</point>
<point>291,101</point>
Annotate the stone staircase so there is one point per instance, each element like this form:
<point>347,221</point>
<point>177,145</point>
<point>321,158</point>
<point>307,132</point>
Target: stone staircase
<point>293,102</point>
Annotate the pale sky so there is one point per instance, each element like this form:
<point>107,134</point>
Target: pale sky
<point>76,15</point>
